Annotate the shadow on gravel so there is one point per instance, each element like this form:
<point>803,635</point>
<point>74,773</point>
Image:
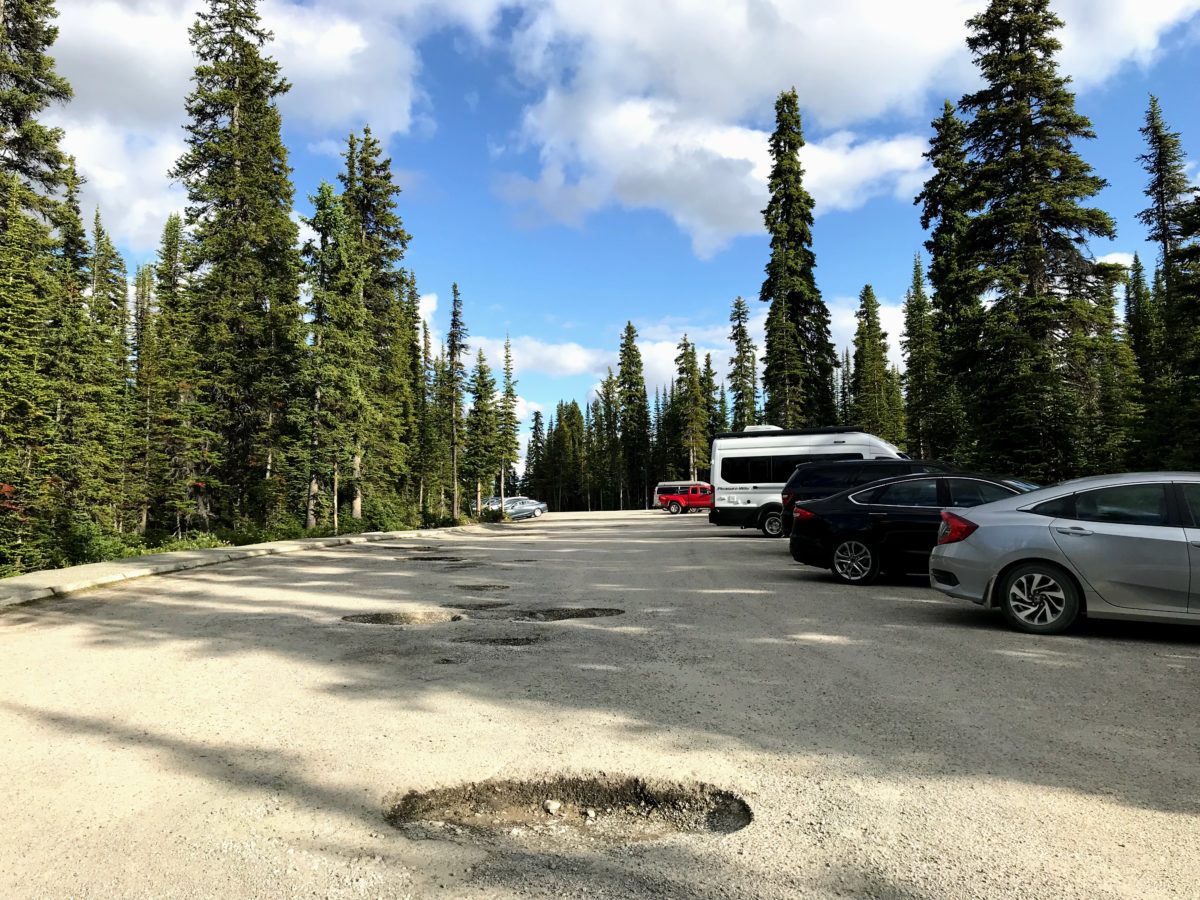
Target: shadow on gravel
<point>893,681</point>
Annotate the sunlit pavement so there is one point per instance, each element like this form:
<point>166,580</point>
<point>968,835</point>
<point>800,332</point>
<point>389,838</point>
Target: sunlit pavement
<point>223,732</point>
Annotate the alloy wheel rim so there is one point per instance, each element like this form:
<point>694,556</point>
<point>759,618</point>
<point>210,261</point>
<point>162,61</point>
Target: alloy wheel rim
<point>1037,598</point>
<point>773,525</point>
<point>852,560</point>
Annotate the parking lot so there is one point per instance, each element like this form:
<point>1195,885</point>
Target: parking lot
<point>225,732</point>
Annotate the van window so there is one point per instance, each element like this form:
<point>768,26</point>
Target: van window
<point>773,469</point>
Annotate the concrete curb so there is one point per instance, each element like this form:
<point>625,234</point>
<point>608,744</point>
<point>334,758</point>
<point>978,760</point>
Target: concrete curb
<point>72,580</point>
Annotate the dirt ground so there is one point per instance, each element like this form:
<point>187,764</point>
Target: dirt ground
<point>225,732</point>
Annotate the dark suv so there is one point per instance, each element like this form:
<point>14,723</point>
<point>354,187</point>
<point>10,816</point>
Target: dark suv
<point>814,481</point>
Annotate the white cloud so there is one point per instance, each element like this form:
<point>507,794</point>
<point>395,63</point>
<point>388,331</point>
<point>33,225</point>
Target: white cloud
<point>1120,258</point>
<point>664,106</point>
<point>526,408</point>
<point>532,354</point>
<point>659,106</point>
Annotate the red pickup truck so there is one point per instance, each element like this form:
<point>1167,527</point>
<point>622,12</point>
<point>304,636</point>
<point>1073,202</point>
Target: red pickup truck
<point>683,496</point>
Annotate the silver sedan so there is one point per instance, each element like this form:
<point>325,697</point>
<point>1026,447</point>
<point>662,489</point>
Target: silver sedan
<point>525,508</point>
<point>1111,547</point>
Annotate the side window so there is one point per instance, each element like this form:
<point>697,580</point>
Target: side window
<point>1191,497</point>
<point>969,492</point>
<point>704,492</point>
<point>1125,504</point>
<point>918,492</point>
<point>829,477</point>
<point>746,469</point>
<point>1058,508</point>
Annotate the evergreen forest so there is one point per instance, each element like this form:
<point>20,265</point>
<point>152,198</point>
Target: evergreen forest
<point>248,385</point>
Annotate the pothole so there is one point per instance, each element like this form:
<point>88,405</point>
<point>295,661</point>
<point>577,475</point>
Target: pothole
<point>524,560</point>
<point>572,809</point>
<point>559,613</point>
<point>482,588</point>
<point>524,641</point>
<point>430,617</point>
<point>477,607</point>
<point>445,559</point>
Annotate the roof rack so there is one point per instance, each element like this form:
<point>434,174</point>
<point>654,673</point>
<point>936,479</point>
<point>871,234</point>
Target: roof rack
<point>841,429</point>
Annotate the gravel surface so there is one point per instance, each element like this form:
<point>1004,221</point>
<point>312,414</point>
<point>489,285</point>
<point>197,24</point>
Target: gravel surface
<point>223,732</point>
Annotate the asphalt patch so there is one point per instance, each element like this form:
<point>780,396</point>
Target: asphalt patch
<point>445,559</point>
<point>559,613</point>
<point>482,588</point>
<point>430,617</point>
<point>524,641</point>
<point>568,811</point>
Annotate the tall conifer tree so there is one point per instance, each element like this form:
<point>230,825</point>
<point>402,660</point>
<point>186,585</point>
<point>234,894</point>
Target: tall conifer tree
<point>743,368</point>
<point>635,420</point>
<point>243,260</point>
<point>791,282</point>
<point>1027,236</point>
<point>456,349</point>
<point>922,366</point>
<point>30,154</point>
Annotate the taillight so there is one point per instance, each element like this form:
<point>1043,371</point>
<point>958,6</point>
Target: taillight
<point>800,513</point>
<point>788,498</point>
<point>955,528</point>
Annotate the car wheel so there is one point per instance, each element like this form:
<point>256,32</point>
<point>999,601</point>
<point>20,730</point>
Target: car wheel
<point>855,562</point>
<point>1039,598</point>
<point>772,525</point>
<point>673,508</point>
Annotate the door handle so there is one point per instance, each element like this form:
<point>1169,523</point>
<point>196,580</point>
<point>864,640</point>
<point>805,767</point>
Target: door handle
<point>1196,543</point>
<point>1075,530</point>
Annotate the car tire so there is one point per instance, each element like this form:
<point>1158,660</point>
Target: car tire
<point>1039,598</point>
<point>772,524</point>
<point>537,512</point>
<point>674,508</point>
<point>855,562</point>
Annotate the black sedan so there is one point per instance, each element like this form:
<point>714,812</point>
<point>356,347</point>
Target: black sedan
<point>888,526</point>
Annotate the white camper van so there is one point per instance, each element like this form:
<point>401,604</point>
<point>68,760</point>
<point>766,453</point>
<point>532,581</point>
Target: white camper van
<point>750,468</point>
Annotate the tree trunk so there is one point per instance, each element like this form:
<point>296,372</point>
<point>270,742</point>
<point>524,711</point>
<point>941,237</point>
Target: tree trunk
<point>336,472</point>
<point>479,497</point>
<point>310,513</point>
<point>356,503</point>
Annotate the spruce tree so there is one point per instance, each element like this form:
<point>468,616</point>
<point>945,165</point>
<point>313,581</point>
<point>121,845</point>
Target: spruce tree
<point>956,308</point>
<point>791,283</point>
<point>339,368</point>
<point>1027,236</point>
<point>715,418</point>
<point>188,447</point>
<point>1168,188</point>
<point>845,380</point>
<point>369,195</point>
<point>743,368</point>
<point>922,366</point>
<point>509,444</point>
<point>30,157</point>
<point>1143,320</point>
<point>481,431</point>
<point>783,371</point>
<point>635,421</point>
<point>456,348</point>
<point>26,284</point>
<point>872,405</point>
<point>534,452</point>
<point>693,408</point>
<point>243,262</point>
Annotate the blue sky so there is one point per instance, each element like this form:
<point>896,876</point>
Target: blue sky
<point>575,165</point>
